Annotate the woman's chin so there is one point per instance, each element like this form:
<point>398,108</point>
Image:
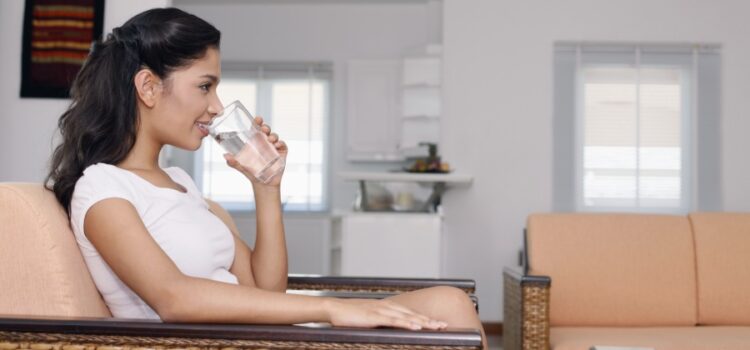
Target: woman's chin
<point>192,146</point>
<point>196,145</point>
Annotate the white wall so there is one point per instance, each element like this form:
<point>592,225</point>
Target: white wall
<point>498,109</point>
<point>29,124</point>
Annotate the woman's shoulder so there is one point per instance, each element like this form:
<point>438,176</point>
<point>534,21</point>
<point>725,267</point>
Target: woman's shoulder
<point>98,182</point>
<point>99,169</point>
<point>103,176</point>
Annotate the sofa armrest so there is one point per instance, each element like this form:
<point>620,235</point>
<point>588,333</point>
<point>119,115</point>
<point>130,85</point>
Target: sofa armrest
<point>371,287</point>
<point>374,284</point>
<point>82,333</point>
<point>525,310</point>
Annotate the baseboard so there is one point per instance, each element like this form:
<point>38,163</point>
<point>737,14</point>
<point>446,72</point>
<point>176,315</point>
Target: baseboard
<point>493,328</point>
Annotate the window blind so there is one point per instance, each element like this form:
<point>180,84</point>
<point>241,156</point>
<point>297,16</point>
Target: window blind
<point>625,126</point>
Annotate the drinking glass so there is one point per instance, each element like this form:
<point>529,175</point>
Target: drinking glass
<point>236,132</point>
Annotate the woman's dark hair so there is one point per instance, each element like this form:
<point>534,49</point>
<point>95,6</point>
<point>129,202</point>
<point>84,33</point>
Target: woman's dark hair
<point>101,123</point>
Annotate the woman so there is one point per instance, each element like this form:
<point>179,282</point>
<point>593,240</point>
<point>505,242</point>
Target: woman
<point>153,245</point>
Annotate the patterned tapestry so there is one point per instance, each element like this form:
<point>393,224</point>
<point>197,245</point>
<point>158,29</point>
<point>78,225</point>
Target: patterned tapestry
<point>57,36</point>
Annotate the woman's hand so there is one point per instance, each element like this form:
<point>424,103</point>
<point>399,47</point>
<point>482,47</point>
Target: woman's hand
<point>372,313</point>
<point>280,146</point>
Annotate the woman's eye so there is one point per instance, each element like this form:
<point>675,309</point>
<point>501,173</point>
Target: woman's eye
<point>205,87</point>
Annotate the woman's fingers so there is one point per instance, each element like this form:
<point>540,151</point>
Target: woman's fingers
<point>422,318</point>
<point>405,312</point>
<point>280,146</point>
<point>402,323</point>
<point>230,160</point>
<point>399,318</point>
<point>379,313</point>
<point>266,129</point>
<point>273,137</point>
<point>263,127</point>
<point>400,312</point>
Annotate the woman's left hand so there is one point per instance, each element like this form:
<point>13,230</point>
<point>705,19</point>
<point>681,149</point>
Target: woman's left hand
<point>280,146</point>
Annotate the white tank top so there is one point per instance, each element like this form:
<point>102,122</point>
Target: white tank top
<point>198,242</point>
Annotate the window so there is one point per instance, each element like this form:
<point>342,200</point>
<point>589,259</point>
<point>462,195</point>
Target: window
<point>635,139</point>
<point>294,101</point>
<point>631,111</point>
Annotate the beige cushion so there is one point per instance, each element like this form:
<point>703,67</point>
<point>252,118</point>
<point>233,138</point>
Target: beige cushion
<point>42,272</point>
<point>615,269</point>
<point>658,338</point>
<point>722,242</point>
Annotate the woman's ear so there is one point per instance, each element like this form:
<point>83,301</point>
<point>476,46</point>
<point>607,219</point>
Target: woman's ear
<point>147,86</point>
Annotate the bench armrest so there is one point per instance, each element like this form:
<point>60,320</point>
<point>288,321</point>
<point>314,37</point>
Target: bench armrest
<point>525,310</point>
<point>371,287</point>
<point>81,333</point>
<point>374,284</point>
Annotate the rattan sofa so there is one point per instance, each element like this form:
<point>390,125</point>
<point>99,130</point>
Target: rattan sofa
<point>49,302</point>
<point>655,281</point>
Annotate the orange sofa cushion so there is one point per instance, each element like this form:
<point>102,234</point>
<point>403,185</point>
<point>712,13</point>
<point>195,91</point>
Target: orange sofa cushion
<point>659,338</point>
<point>722,244</point>
<point>615,269</point>
<point>42,272</point>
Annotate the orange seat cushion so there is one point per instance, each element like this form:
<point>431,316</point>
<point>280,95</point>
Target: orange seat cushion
<point>615,269</point>
<point>658,338</point>
<point>722,244</point>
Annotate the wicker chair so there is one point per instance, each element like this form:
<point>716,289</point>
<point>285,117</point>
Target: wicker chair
<point>48,300</point>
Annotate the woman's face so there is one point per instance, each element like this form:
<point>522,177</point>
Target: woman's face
<point>187,102</point>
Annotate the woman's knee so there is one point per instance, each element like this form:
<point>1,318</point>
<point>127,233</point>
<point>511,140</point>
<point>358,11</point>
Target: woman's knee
<point>451,297</point>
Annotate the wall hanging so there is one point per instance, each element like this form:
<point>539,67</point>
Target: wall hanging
<point>57,36</point>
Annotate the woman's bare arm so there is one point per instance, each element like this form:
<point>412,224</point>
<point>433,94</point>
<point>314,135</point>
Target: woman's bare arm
<point>269,259</point>
<point>118,234</point>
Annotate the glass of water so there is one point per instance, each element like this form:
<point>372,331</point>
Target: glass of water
<point>236,132</point>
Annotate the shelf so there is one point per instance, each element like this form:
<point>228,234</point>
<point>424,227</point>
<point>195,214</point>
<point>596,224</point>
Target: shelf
<point>452,178</point>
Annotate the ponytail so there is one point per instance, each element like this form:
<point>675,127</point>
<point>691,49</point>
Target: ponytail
<point>101,123</point>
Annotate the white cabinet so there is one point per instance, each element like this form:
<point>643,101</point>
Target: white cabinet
<point>393,105</point>
<point>387,245</point>
<point>373,126</point>
<point>392,244</point>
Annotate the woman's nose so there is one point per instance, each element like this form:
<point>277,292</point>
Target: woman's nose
<point>215,106</point>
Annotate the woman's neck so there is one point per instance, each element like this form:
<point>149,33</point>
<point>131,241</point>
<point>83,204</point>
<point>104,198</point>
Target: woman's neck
<point>143,156</point>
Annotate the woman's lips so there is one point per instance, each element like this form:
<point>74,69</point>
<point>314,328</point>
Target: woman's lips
<point>203,128</point>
